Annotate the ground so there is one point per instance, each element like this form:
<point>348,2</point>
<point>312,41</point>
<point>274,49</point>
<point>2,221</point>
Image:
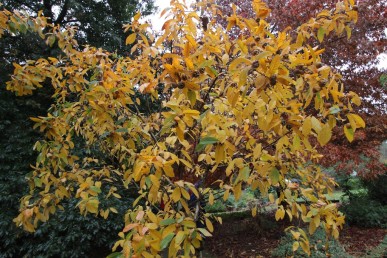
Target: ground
<point>257,237</point>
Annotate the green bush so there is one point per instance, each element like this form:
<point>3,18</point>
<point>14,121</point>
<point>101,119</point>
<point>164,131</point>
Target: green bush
<point>248,199</point>
<point>377,189</point>
<point>318,246</point>
<point>365,212</point>
<point>218,206</point>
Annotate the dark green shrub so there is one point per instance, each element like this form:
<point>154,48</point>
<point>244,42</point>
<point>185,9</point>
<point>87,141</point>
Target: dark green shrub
<point>365,212</point>
<point>67,234</point>
<point>248,199</point>
<point>377,189</point>
<point>218,206</point>
<point>318,247</point>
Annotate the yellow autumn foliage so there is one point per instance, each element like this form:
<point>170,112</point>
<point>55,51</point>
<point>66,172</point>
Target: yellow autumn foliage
<point>249,110</point>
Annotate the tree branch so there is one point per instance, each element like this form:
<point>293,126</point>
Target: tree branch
<point>62,13</point>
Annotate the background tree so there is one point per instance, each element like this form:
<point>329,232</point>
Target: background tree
<point>239,107</point>
<point>99,23</point>
<point>356,58</point>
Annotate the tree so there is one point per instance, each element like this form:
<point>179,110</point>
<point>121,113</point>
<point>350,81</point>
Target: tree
<point>99,22</point>
<point>53,238</point>
<point>356,58</point>
<point>238,108</point>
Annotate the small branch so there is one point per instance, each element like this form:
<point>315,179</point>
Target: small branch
<point>209,90</point>
<point>276,140</point>
<point>137,113</point>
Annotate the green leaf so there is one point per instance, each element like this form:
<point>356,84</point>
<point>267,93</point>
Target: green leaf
<point>274,176</point>
<point>349,133</point>
<point>23,28</point>
<point>206,63</point>
<point>334,110</point>
<point>192,97</point>
<point>165,242</point>
<point>115,255</point>
<point>204,142</point>
<point>95,189</point>
<point>244,174</point>
<point>37,182</point>
<point>122,130</point>
<point>166,222</point>
<point>320,34</point>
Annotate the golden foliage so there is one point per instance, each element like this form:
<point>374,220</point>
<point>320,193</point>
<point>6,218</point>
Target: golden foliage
<point>245,109</point>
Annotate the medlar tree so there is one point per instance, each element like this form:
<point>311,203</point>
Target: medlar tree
<point>244,109</point>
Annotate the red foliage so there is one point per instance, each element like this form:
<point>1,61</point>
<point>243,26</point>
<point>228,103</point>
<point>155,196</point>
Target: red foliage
<point>362,155</point>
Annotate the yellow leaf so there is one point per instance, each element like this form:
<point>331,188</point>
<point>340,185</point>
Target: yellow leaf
<point>191,112</point>
<point>280,214</point>
<point>189,224</point>
<point>295,234</point>
<point>209,225</point>
<point>189,63</point>
<point>312,227</point>
<point>316,125</point>
<point>147,255</point>
<point>324,135</point>
<point>92,205</point>
<point>211,199</point>
<point>186,163</point>
<point>152,217</point>
<point>271,198</point>
<point>355,99</point>
<point>238,191</point>
<point>226,195</point>
<point>205,232</point>
<point>254,211</point>
<point>296,244</point>
<point>176,194</point>
<point>242,46</point>
<point>152,225</point>
<point>274,65</point>
<point>307,126</point>
<point>179,238</point>
<point>130,39</point>
<point>185,194</point>
<point>168,170</point>
<point>356,119</point>
<point>296,142</point>
<point>137,16</point>
<point>242,78</point>
<point>219,153</point>
<point>129,227</point>
<point>35,119</point>
<point>164,11</point>
<point>236,62</point>
<point>305,247</point>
